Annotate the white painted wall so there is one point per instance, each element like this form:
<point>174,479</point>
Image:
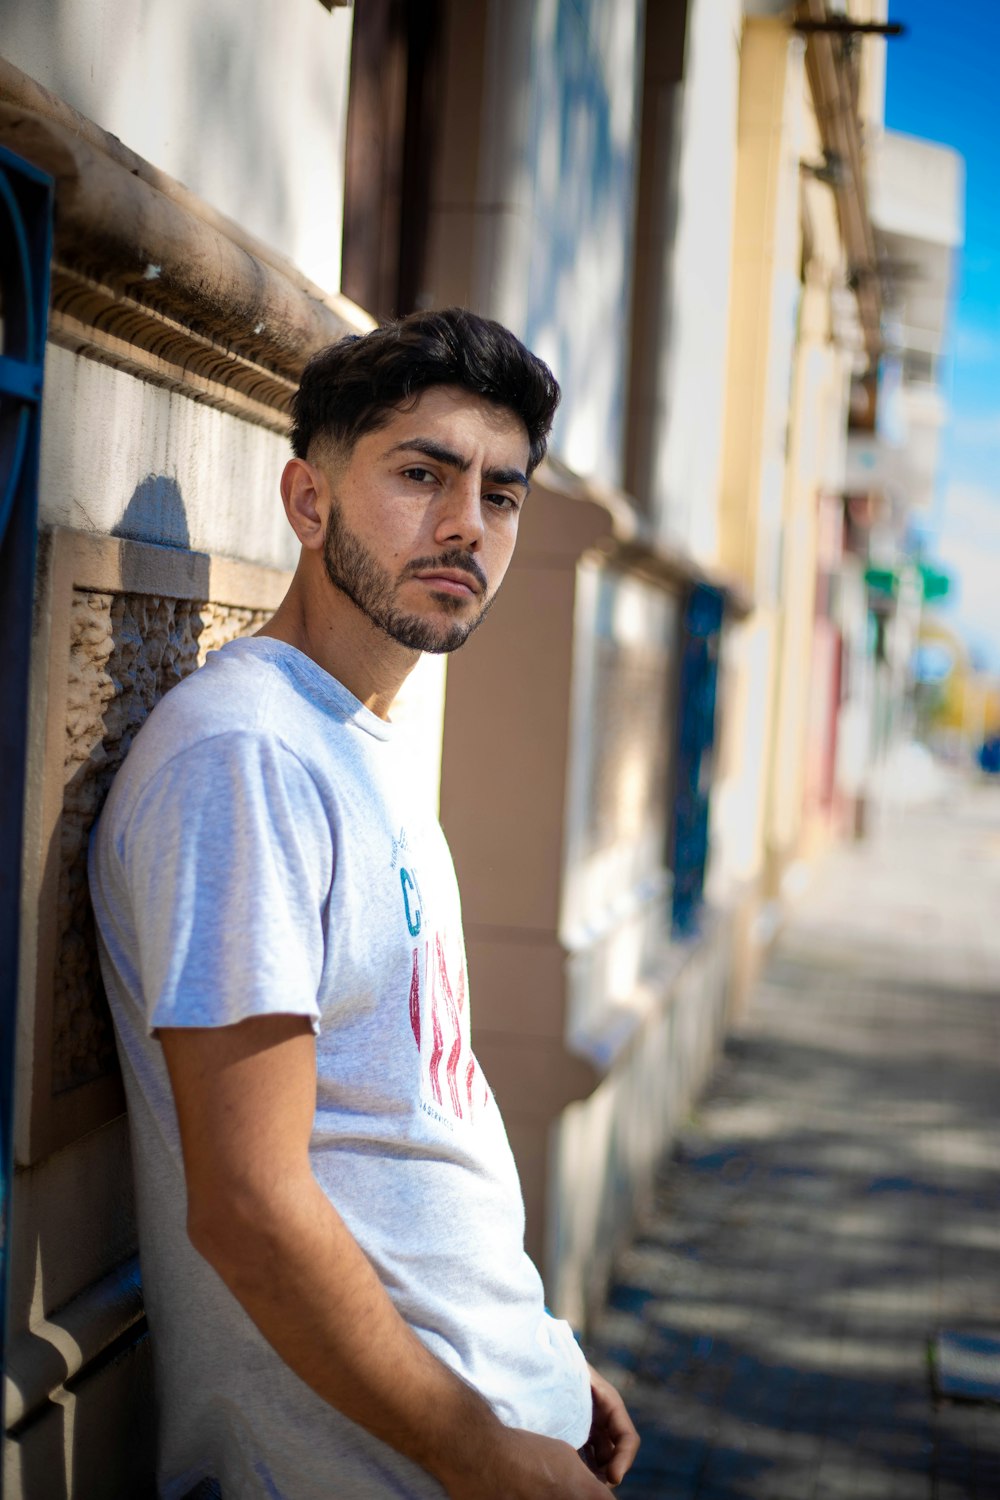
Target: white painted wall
<point>121,455</point>
<point>747,691</point>
<point>558,171</point>
<point>244,101</point>
<point>691,378</point>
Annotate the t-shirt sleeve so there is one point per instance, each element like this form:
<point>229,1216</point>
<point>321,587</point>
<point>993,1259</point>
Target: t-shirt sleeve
<point>229,860</point>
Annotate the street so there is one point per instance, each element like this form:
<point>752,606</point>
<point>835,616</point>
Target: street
<point>835,1202</point>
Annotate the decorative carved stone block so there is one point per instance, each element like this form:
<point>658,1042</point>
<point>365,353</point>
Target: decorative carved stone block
<point>125,652</point>
<point>125,622</point>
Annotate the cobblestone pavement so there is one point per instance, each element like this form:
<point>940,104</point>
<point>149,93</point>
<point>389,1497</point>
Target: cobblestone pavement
<point>836,1200</point>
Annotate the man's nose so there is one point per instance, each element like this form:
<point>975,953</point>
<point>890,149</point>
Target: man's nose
<point>460,521</point>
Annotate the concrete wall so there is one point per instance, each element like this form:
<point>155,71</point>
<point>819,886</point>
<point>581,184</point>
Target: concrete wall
<point>556,182</point>
<point>693,331</point>
<point>605,1149</point>
<point>533,196</point>
<point>125,457</point>
<point>243,101</point>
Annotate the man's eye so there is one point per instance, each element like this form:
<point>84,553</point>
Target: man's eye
<point>503,502</point>
<point>419,474</point>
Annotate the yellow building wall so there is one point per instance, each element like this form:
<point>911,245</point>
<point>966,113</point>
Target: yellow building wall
<point>765,286</point>
<point>766,255</point>
<point>816,435</point>
<point>785,427</point>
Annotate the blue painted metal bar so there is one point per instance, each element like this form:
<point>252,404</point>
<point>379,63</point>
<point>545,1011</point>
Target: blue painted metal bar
<point>20,379</point>
<point>26,199</point>
<point>701,634</point>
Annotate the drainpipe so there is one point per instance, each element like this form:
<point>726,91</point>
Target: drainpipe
<point>26,198</point>
<point>833,83</point>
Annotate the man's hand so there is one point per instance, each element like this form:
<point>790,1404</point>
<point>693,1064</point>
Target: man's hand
<point>613,1442</point>
<point>522,1465</point>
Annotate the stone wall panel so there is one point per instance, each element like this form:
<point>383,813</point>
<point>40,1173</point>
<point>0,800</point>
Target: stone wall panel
<point>125,652</point>
<point>126,621</point>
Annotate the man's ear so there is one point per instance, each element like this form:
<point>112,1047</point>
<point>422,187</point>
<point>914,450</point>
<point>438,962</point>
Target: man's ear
<point>305,494</point>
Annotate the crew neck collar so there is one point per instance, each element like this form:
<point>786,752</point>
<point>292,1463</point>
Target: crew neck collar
<point>324,689</point>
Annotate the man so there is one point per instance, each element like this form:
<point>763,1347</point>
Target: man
<point>331,1225</point>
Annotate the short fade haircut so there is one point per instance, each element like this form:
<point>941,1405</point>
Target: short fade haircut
<point>351,387</point>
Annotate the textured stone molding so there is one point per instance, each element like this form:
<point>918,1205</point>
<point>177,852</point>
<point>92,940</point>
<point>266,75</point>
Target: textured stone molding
<point>125,621</point>
<point>153,280</point>
<point>114,329</point>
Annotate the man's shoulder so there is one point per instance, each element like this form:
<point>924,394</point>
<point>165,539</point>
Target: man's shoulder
<point>232,692</point>
<point>239,702</point>
<point>260,717</point>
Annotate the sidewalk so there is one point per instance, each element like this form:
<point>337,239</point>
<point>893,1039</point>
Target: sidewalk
<point>836,1201</point>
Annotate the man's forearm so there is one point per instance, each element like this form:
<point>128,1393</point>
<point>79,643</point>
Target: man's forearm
<point>245,1097</point>
<point>310,1289</point>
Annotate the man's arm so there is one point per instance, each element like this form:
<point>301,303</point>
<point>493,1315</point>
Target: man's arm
<point>245,1097</point>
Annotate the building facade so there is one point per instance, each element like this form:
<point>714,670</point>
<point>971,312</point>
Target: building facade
<point>635,752</point>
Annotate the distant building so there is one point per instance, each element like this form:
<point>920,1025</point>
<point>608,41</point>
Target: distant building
<point>917,197</point>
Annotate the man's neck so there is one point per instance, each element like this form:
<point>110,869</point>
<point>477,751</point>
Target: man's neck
<point>325,625</point>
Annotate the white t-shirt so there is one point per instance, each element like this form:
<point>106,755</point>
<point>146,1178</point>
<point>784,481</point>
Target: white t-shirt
<point>260,853</point>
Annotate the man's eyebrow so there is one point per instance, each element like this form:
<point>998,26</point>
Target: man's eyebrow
<point>506,476</point>
<point>430,449</point>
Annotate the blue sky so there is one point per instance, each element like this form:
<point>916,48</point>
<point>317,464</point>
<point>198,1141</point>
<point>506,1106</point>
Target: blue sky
<point>942,83</point>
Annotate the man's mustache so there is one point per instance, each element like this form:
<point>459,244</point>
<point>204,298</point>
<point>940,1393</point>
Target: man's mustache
<point>456,558</point>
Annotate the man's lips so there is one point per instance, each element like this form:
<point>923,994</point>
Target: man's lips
<point>450,581</point>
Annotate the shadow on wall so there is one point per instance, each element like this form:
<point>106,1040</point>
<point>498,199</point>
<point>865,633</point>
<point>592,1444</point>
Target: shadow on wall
<point>155,513</point>
<point>128,649</point>
<point>150,625</point>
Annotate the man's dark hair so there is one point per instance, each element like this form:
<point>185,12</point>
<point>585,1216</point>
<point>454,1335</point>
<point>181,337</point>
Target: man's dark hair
<point>353,386</point>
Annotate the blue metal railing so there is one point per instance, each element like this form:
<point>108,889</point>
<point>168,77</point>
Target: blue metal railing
<point>701,634</point>
<point>26,198</point>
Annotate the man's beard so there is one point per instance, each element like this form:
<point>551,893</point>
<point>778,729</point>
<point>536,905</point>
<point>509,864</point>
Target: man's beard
<point>353,570</point>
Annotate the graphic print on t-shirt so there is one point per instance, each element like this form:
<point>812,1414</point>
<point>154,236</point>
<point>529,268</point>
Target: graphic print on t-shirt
<point>452,1086</point>
<point>439,1021</point>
